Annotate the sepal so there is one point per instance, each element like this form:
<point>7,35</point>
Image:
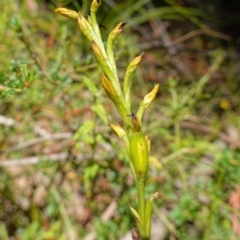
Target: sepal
<point>67,13</point>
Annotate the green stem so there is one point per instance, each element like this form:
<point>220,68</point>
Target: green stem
<point>140,185</point>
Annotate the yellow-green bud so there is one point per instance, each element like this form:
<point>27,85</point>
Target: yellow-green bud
<point>114,96</point>
<point>135,63</point>
<point>139,149</point>
<point>109,89</point>
<point>98,53</point>
<point>85,27</point>
<point>139,155</point>
<point>148,99</point>
<point>117,30</point>
<point>67,13</point>
<point>95,5</point>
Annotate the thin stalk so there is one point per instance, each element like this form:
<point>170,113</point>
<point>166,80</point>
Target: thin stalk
<point>140,185</point>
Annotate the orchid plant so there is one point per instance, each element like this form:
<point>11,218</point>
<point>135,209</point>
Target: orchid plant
<point>137,143</point>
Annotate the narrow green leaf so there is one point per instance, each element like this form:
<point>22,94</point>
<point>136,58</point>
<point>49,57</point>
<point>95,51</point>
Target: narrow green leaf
<point>101,112</point>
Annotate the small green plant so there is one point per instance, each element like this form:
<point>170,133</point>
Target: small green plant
<point>136,142</point>
<point>22,78</point>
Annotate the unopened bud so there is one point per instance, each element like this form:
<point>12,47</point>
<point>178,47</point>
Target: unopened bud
<point>139,155</point>
<point>111,92</point>
<point>148,99</point>
<point>98,53</point>
<point>118,130</point>
<point>117,30</point>
<point>85,27</point>
<point>67,13</point>
<point>135,63</point>
<point>109,89</point>
<point>95,5</point>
